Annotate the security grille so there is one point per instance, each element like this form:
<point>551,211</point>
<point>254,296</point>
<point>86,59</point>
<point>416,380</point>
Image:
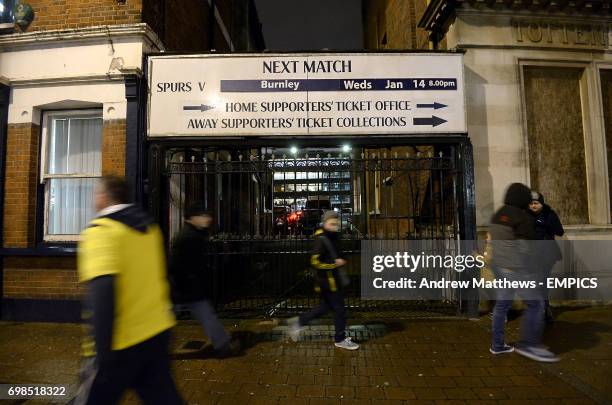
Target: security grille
<point>267,203</point>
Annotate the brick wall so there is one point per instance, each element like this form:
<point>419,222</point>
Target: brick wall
<point>373,23</point>
<point>400,24</point>
<point>422,36</point>
<point>182,27</point>
<point>187,28</point>
<point>22,173</point>
<point>392,24</point>
<point>63,14</point>
<point>113,147</point>
<point>41,278</point>
<point>154,14</point>
<point>20,187</point>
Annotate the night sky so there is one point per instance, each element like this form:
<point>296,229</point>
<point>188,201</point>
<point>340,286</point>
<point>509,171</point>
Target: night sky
<point>293,25</point>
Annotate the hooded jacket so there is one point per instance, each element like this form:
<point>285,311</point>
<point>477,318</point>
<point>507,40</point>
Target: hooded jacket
<point>323,261</point>
<point>511,227</point>
<point>122,262</point>
<point>547,226</point>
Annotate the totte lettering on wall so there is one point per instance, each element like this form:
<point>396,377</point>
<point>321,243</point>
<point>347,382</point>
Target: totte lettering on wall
<point>558,33</point>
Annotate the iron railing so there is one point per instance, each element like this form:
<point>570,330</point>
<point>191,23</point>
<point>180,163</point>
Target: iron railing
<point>266,206</point>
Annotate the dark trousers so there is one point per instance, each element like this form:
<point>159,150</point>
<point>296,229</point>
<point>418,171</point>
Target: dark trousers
<point>531,325</point>
<point>204,312</point>
<point>333,301</point>
<point>144,367</point>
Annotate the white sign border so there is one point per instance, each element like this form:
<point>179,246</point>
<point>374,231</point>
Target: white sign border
<point>149,77</point>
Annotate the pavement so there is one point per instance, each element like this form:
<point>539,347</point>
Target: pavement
<point>432,361</point>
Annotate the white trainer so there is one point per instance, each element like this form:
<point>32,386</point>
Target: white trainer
<point>294,328</point>
<point>347,344</point>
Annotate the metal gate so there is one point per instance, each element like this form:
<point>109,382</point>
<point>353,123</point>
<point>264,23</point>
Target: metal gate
<point>266,204</point>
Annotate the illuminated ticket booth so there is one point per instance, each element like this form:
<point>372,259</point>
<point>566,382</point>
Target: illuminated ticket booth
<point>268,142</point>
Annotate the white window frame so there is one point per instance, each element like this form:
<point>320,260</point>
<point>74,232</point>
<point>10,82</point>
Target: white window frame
<point>45,177</point>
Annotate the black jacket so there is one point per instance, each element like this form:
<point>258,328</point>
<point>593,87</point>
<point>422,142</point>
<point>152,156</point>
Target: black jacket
<point>323,261</point>
<point>512,226</point>
<point>189,265</point>
<point>547,226</point>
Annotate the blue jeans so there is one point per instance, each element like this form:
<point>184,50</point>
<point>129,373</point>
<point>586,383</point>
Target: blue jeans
<point>329,301</point>
<point>204,312</point>
<point>531,325</point>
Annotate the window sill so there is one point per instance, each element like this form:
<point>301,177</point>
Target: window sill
<point>7,28</point>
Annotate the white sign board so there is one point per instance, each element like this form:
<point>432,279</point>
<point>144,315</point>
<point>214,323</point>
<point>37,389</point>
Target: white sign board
<point>306,94</point>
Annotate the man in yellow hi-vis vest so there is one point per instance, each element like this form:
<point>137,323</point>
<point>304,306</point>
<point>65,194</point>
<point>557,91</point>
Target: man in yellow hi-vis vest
<point>127,307</point>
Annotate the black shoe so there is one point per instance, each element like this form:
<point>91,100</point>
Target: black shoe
<point>502,350</point>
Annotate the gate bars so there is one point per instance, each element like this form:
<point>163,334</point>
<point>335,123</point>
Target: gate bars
<point>266,204</point>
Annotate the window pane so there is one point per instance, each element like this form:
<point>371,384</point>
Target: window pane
<point>75,145</point>
<point>58,146</point>
<point>70,205</point>
<point>85,145</point>
<point>284,175</point>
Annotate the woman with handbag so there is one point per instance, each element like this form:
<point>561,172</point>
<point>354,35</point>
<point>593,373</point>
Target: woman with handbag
<point>330,279</point>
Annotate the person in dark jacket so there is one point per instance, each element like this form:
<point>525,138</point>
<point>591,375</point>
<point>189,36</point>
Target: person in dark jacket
<point>329,281</point>
<point>189,277</point>
<point>547,226</point>
<point>547,223</point>
<point>512,228</point>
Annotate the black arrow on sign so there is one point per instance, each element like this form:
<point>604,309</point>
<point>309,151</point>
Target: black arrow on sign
<point>201,107</point>
<point>433,121</point>
<point>435,105</point>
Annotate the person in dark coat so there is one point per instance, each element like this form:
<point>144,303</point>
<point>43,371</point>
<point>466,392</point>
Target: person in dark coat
<point>547,223</point>
<point>547,227</point>
<point>189,276</point>
<point>512,228</point>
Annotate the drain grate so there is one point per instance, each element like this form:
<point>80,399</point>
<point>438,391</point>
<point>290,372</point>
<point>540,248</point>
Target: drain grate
<point>316,333</point>
<point>311,333</point>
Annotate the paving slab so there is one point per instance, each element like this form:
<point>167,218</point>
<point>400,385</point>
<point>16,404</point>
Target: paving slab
<point>400,361</point>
